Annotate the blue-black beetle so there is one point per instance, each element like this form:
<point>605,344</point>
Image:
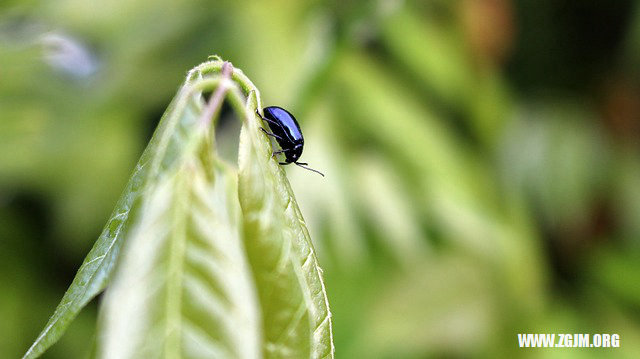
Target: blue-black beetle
<point>286,130</point>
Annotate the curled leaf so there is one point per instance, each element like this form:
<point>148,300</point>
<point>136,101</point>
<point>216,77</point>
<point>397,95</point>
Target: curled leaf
<point>95,272</point>
<point>215,263</point>
<point>296,316</point>
<point>184,288</point>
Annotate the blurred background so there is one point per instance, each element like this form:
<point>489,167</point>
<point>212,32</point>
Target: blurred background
<point>482,157</point>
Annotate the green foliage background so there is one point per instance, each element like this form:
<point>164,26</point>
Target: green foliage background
<point>482,157</point>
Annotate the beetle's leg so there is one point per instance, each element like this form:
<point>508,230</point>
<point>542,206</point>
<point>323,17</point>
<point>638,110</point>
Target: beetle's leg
<point>279,152</point>
<point>271,134</point>
<point>284,163</point>
<point>266,119</point>
<point>271,121</point>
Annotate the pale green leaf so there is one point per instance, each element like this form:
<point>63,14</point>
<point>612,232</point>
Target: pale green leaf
<point>166,145</point>
<point>184,288</point>
<point>215,264</point>
<point>296,317</point>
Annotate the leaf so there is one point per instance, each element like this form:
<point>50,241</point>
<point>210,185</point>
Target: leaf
<point>296,317</point>
<point>166,145</point>
<point>186,285</point>
<point>184,288</point>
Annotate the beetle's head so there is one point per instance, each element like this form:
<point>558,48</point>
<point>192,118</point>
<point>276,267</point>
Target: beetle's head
<point>295,153</point>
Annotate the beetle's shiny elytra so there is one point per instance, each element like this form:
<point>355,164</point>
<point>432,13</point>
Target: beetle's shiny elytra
<point>286,130</point>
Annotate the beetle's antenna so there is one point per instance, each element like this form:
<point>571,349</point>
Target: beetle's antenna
<point>309,168</point>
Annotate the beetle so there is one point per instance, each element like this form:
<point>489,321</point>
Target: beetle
<point>286,130</point>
